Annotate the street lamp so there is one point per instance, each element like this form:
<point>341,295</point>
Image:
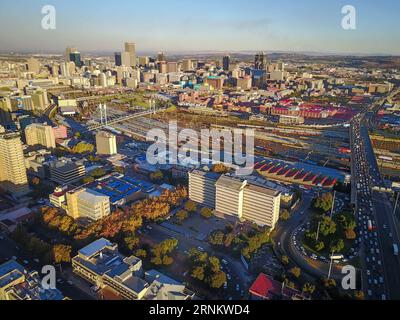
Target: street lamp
<point>330,266</point>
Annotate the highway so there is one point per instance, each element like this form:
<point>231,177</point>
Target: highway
<point>377,226</point>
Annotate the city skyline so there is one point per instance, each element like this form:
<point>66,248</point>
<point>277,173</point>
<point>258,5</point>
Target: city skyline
<point>233,27</point>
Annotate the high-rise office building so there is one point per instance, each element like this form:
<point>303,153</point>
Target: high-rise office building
<point>144,61</point>
<point>40,134</point>
<point>162,67</point>
<point>226,63</point>
<point>161,57</point>
<point>39,99</point>
<point>68,52</point>
<point>5,110</point>
<point>172,67</point>
<point>106,143</point>
<point>202,187</point>
<point>13,176</point>
<point>187,65</point>
<point>131,48</point>
<point>260,61</point>
<point>75,57</point>
<point>33,65</point>
<point>125,59</point>
<point>246,200</point>
<point>87,204</point>
<point>118,59</point>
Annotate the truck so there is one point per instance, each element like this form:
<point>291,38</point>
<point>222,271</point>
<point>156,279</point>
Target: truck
<point>395,249</point>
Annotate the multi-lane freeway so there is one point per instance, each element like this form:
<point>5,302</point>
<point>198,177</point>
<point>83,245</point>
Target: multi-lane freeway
<point>377,226</point>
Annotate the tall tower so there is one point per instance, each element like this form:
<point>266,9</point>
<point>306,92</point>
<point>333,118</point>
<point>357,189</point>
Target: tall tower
<point>68,52</point>
<point>226,63</point>
<point>260,61</point>
<point>13,176</point>
<point>131,48</point>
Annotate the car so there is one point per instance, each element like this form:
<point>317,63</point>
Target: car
<point>381,280</point>
<point>25,262</point>
<point>149,227</point>
<point>36,260</point>
<point>237,287</point>
<point>224,261</point>
<point>225,285</point>
<point>228,276</point>
<point>70,282</point>
<point>368,272</point>
<point>200,249</point>
<point>14,257</point>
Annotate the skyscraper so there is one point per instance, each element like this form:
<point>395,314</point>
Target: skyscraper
<point>75,57</point>
<point>40,134</point>
<point>13,176</point>
<point>131,48</point>
<point>125,59</point>
<point>118,59</point>
<point>68,52</point>
<point>106,143</point>
<point>260,61</point>
<point>161,57</point>
<point>33,65</point>
<point>225,63</point>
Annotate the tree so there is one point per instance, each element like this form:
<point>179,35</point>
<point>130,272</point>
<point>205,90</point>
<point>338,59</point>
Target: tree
<point>198,273</point>
<point>141,253</point>
<point>182,215</point>
<point>337,245</point>
<point>324,202</point>
<point>156,176</point>
<point>285,215</point>
<point>62,253</point>
<point>359,295</point>
<point>217,279</point>
<point>190,206</point>
<point>308,288</point>
<point>328,226</point>
<point>206,213</point>
<point>285,260</point>
<point>295,271</point>
<point>131,242</point>
<point>320,246</point>
<point>83,147</point>
<point>219,168</point>
<point>160,252</point>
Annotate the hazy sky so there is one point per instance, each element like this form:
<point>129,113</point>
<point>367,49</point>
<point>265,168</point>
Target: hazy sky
<point>187,25</point>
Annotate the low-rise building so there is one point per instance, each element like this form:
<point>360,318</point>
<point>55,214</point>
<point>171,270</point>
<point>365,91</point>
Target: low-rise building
<point>16,283</point>
<point>102,265</point>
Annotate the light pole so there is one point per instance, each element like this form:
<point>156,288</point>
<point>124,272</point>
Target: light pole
<point>319,225</point>
<point>330,266</point>
<point>333,203</point>
<point>395,205</point>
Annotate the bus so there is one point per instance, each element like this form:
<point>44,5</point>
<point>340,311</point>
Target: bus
<point>395,249</point>
<point>337,257</point>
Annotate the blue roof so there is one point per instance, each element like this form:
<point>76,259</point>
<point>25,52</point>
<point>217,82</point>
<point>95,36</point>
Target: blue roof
<point>95,247</point>
<point>9,266</point>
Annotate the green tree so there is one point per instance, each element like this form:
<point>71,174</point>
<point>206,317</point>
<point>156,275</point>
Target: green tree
<point>337,245</point>
<point>328,226</point>
<point>156,176</point>
<point>62,253</point>
<point>217,279</point>
<point>182,215</point>
<point>206,213</point>
<point>190,206</point>
<point>285,260</point>
<point>198,273</point>
<point>320,246</point>
<point>308,288</point>
<point>285,215</point>
<point>295,271</point>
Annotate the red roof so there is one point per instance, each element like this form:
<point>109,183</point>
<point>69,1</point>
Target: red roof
<point>264,287</point>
